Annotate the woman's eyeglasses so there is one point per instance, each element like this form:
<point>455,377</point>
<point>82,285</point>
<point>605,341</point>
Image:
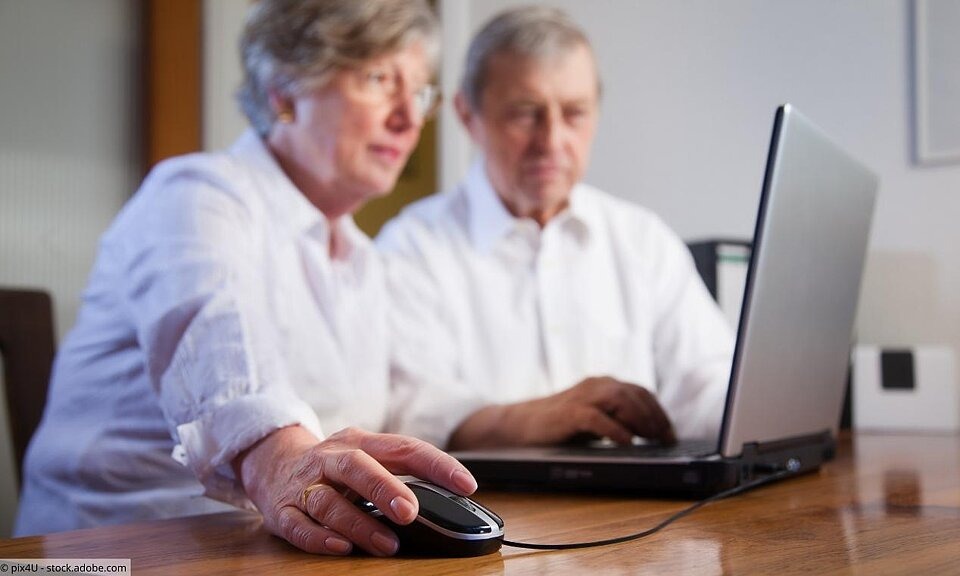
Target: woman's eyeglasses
<point>383,85</point>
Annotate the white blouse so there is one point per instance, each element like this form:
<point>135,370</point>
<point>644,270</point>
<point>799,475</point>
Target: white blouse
<point>215,314</point>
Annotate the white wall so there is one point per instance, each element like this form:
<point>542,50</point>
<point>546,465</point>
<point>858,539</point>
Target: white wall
<point>689,94</point>
<point>222,119</point>
<point>69,151</point>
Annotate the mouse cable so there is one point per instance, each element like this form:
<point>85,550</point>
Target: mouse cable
<point>676,516</point>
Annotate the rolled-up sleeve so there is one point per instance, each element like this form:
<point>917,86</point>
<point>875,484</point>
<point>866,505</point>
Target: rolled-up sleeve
<point>198,301</point>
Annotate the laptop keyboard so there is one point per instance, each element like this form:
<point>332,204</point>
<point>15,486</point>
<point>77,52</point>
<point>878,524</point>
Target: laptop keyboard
<point>684,449</point>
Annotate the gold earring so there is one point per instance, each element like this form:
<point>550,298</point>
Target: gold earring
<point>285,116</point>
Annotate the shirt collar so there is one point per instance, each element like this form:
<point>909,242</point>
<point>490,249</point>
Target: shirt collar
<point>349,242</point>
<point>582,215</point>
<point>291,208</point>
<point>490,221</point>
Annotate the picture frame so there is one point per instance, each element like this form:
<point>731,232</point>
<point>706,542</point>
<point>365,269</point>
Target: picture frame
<point>936,63</point>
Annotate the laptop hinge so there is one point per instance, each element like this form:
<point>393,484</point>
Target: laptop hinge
<point>798,454</point>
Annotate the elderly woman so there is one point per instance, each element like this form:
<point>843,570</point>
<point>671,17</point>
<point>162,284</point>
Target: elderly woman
<point>235,314</point>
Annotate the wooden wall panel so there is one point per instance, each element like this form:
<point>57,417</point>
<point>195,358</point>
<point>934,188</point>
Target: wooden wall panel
<point>173,80</point>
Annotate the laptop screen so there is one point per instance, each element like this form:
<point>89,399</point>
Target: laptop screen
<point>803,283</point>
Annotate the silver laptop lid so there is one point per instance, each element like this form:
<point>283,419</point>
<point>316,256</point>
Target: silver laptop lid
<point>793,345</point>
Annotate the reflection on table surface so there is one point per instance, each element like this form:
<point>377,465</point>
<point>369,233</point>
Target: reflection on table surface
<point>887,504</point>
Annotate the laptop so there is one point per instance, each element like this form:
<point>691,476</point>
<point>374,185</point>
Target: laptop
<point>788,375</point>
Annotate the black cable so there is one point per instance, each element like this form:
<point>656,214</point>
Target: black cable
<point>676,516</point>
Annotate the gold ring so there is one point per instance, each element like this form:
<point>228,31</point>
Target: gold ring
<point>306,494</point>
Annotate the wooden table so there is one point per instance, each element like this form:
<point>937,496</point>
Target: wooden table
<point>887,504</point>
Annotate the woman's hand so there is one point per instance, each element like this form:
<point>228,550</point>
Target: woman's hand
<point>598,407</point>
<point>305,488</point>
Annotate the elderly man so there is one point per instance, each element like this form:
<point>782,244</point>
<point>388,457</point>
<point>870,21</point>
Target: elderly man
<point>528,307</point>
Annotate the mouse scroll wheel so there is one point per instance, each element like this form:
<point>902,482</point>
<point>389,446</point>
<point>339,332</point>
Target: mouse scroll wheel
<point>464,502</point>
<point>478,509</point>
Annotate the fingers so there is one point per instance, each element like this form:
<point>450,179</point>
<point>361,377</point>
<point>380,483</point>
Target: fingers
<point>659,425</point>
<point>361,472</point>
<point>633,407</point>
<point>640,410</point>
<point>345,467</point>
<point>406,455</point>
<point>297,528</point>
<point>341,522</point>
<point>367,463</point>
<point>591,420</point>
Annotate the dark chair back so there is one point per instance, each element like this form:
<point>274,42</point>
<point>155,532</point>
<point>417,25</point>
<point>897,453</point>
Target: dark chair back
<point>27,344</point>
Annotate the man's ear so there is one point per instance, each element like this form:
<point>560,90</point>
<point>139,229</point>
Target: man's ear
<point>465,113</point>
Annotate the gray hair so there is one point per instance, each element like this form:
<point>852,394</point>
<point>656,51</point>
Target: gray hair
<point>536,31</point>
<point>289,45</point>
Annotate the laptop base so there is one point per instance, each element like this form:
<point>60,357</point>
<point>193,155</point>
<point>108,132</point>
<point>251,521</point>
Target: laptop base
<point>693,478</point>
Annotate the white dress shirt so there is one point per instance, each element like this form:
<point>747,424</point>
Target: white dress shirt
<point>214,315</point>
<point>488,308</point>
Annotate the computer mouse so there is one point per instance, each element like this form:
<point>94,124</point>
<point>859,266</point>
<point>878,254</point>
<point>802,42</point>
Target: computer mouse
<point>447,525</point>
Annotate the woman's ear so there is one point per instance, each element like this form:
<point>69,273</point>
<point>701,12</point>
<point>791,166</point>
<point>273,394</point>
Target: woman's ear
<point>282,106</point>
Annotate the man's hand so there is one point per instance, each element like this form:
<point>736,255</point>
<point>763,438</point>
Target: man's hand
<point>304,488</point>
<point>601,406</point>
